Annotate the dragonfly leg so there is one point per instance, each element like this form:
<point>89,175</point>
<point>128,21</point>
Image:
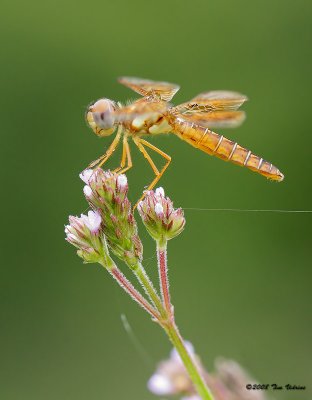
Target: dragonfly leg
<point>126,155</point>
<point>102,160</point>
<point>123,157</point>
<point>142,149</point>
<point>141,143</point>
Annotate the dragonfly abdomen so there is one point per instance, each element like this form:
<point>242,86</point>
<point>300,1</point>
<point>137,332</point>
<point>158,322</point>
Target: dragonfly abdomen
<point>219,146</point>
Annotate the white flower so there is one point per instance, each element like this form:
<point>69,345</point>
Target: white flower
<point>122,181</point>
<point>159,209</point>
<point>87,191</point>
<point>162,221</point>
<point>160,192</point>
<point>86,175</point>
<point>92,221</point>
<point>160,384</point>
<point>194,397</point>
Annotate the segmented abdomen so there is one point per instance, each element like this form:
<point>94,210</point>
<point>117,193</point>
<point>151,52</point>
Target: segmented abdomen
<point>218,145</point>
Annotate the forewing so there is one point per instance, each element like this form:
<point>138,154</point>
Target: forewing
<point>139,108</point>
<point>220,99</point>
<point>163,90</point>
<point>216,119</point>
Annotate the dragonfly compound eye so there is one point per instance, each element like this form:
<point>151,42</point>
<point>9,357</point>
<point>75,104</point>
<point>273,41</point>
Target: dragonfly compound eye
<point>100,117</point>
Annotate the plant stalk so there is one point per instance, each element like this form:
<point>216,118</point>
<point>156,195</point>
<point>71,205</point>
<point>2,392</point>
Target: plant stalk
<point>163,275</point>
<point>147,285</point>
<point>195,375</point>
<point>127,286</point>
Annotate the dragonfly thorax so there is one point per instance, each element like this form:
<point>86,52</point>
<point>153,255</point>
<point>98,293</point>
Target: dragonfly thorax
<point>100,117</point>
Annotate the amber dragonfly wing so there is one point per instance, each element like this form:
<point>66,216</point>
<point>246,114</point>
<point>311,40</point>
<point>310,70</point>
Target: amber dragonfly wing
<point>216,109</point>
<point>140,108</point>
<point>216,119</point>
<point>220,99</point>
<point>217,100</point>
<point>162,90</point>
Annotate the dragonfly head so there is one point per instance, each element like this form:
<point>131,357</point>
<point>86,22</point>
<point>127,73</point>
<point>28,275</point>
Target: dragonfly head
<point>100,117</point>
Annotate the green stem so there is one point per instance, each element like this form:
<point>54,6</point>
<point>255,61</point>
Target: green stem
<point>127,286</point>
<point>198,381</point>
<point>147,285</point>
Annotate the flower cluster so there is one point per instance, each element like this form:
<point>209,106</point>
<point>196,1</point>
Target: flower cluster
<point>228,382</point>
<point>84,232</point>
<point>171,377</point>
<point>106,192</point>
<point>162,221</point>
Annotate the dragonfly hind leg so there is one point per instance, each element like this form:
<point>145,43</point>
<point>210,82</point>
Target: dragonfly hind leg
<point>141,143</point>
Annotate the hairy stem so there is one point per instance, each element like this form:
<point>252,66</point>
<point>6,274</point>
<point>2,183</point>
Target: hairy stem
<point>147,285</point>
<point>194,373</point>
<point>127,286</point>
<point>163,275</point>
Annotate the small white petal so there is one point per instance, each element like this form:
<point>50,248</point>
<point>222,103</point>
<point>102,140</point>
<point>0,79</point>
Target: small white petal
<point>159,210</point>
<point>122,181</point>
<point>160,192</point>
<point>160,385</point>
<point>86,175</point>
<point>174,355</point>
<point>140,205</point>
<point>92,221</point>
<point>87,191</point>
<point>72,237</point>
<point>194,397</point>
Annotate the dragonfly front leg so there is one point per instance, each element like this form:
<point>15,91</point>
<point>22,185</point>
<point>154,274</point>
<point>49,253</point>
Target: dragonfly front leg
<point>126,155</point>
<point>102,160</point>
<point>140,143</point>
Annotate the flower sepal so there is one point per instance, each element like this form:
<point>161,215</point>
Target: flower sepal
<point>107,191</point>
<point>161,219</point>
<point>85,233</point>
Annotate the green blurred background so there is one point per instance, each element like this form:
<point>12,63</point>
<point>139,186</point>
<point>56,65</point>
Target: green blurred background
<point>241,282</point>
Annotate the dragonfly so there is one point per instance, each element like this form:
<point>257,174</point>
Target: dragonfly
<point>153,114</point>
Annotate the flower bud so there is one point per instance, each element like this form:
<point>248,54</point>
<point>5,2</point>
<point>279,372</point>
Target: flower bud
<point>106,192</point>
<point>85,233</point>
<point>162,221</point>
<point>227,382</point>
<point>171,377</point>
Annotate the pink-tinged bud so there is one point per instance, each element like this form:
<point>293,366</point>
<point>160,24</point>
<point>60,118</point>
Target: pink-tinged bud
<point>86,175</point>
<point>162,221</point>
<point>160,192</point>
<point>122,182</point>
<point>234,380</point>
<point>85,234</point>
<point>159,210</point>
<point>160,385</point>
<point>106,193</point>
<point>92,221</point>
<point>227,382</point>
<point>171,377</point>
<point>87,191</point>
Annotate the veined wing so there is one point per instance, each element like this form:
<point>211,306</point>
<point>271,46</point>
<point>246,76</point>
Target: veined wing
<point>221,99</point>
<point>140,108</point>
<point>216,119</point>
<point>162,90</point>
<point>217,100</point>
